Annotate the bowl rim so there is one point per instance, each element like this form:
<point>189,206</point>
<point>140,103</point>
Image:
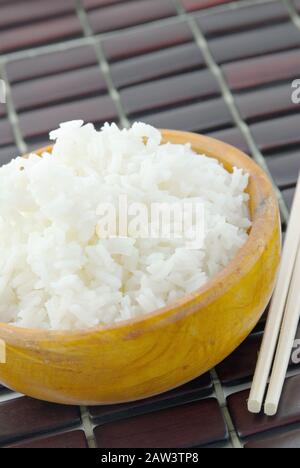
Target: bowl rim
<point>266,207</point>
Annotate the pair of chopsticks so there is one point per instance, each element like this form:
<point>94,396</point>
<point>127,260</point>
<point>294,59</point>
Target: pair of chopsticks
<point>282,322</point>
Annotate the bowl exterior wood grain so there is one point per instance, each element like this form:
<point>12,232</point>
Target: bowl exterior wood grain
<point>143,357</point>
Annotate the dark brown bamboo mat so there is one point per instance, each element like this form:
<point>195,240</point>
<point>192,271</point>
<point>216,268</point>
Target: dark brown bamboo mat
<point>219,67</point>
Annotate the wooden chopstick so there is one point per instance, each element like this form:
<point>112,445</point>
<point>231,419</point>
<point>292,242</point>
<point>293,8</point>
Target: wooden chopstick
<point>276,312</point>
<point>286,342</point>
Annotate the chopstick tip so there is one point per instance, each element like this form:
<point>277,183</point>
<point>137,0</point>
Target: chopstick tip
<point>271,409</point>
<point>254,406</point>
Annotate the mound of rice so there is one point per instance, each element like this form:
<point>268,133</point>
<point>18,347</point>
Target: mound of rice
<point>58,273</point>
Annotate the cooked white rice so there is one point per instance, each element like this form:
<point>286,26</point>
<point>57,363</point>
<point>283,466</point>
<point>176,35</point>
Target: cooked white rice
<point>58,273</point>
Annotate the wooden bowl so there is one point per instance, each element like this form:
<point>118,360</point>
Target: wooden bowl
<point>155,353</point>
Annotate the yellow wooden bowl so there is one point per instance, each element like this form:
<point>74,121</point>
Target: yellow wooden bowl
<point>145,356</point>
